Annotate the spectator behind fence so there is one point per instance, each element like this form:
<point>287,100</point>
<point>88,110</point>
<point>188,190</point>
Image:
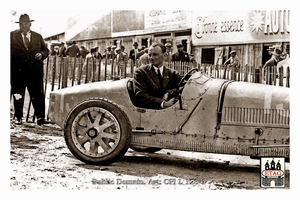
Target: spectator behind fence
<point>73,50</point>
<point>133,54</point>
<point>168,53</point>
<point>83,51</point>
<point>121,61</point>
<point>154,84</point>
<point>52,51</point>
<point>180,55</point>
<point>270,50</point>
<point>144,59</point>
<point>27,51</point>
<point>193,61</point>
<point>233,60</point>
<point>90,74</point>
<point>284,63</point>
<point>272,62</point>
<point>62,50</point>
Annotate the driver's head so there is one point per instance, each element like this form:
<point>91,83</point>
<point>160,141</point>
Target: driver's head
<point>156,54</point>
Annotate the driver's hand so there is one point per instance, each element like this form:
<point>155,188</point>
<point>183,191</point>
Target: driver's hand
<point>170,102</point>
<point>166,96</point>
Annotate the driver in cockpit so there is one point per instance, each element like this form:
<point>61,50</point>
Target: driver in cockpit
<point>155,85</point>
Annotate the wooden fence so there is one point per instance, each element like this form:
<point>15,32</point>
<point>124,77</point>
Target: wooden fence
<point>66,72</point>
<point>270,75</point>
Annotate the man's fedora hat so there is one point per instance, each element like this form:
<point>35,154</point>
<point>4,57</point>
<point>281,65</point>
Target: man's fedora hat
<point>93,50</point>
<point>287,47</point>
<point>168,45</point>
<point>135,44</point>
<point>24,18</point>
<point>277,52</point>
<point>233,52</point>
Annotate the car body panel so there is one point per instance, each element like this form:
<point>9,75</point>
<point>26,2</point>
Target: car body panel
<point>215,116</point>
<point>62,101</point>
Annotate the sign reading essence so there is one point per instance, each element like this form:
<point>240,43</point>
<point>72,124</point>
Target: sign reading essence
<point>232,27</point>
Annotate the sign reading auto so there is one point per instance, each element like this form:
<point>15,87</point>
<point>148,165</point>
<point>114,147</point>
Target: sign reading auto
<point>211,27</point>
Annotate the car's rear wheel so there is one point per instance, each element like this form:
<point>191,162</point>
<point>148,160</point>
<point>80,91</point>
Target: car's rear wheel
<point>97,131</point>
<point>144,149</point>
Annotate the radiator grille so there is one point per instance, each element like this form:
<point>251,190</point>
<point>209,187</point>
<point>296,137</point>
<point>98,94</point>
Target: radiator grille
<point>256,116</point>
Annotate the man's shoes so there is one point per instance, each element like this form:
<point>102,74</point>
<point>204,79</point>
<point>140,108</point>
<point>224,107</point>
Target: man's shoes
<point>18,121</point>
<point>42,121</point>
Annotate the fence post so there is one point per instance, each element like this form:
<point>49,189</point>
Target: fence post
<point>105,67</point>
<point>288,76</point>
<point>239,73</point>
<point>73,70</point>
<point>280,76</point>
<point>225,71</point>
<point>46,76</point>
<point>87,75</point>
<point>112,66</point>
<point>53,74</point>
<point>79,71</point>
<point>99,70</point>
<point>93,70</point>
<point>65,73</point>
<point>60,71</point>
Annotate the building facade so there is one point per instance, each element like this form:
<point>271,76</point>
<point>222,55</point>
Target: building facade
<point>209,35</point>
<point>249,33</point>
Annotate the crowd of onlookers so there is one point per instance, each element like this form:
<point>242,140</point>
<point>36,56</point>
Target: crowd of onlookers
<point>135,57</point>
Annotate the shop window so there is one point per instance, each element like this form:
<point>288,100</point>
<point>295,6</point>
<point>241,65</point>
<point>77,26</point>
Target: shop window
<point>145,42</point>
<point>208,56</point>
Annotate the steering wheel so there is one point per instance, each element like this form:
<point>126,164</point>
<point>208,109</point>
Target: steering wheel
<point>182,82</point>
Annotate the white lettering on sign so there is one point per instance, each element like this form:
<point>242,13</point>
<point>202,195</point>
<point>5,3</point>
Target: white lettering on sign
<point>260,22</point>
<point>232,26</point>
<point>277,21</point>
<point>203,26</point>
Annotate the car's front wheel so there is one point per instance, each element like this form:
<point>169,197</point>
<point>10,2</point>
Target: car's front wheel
<point>97,131</point>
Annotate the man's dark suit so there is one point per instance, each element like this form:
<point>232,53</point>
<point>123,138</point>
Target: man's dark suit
<point>73,51</point>
<point>28,71</point>
<point>270,65</point>
<point>181,56</point>
<point>132,54</point>
<point>148,93</point>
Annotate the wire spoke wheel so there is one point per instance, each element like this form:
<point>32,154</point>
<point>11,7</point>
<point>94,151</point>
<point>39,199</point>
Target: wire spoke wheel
<point>97,132</point>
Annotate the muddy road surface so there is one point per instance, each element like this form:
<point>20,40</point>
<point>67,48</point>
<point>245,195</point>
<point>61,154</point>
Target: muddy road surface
<point>39,159</point>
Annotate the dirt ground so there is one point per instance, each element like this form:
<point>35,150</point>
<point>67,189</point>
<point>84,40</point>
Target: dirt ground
<point>39,159</point>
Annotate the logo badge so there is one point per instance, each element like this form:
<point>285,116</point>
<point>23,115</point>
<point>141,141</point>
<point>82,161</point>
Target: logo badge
<point>272,172</point>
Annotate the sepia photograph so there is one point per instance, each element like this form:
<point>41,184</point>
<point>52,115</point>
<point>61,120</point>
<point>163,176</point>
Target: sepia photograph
<point>148,99</point>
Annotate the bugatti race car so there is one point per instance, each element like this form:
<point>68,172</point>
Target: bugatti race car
<point>100,120</point>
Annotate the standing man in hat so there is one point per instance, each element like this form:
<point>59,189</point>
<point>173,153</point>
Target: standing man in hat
<point>133,54</point>
<point>233,62</point>
<point>83,51</point>
<point>168,53</point>
<point>73,50</point>
<point>62,50</point>
<point>285,63</point>
<point>121,62</point>
<point>28,50</point>
<point>271,66</point>
<point>180,55</point>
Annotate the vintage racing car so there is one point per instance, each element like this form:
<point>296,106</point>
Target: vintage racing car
<point>100,120</point>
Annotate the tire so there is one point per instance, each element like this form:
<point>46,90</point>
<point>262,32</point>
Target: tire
<point>97,131</point>
<point>144,149</point>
